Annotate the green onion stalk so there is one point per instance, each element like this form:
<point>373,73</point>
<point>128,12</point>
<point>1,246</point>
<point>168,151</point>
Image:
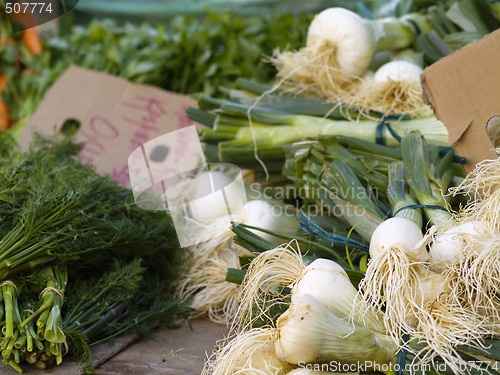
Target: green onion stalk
<point>341,181</point>
<point>254,137</point>
<point>454,25</point>
<point>428,176</point>
<point>416,300</point>
<point>402,202</point>
<point>363,183</point>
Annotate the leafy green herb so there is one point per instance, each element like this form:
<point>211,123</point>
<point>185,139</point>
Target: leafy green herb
<point>80,263</point>
<point>188,55</point>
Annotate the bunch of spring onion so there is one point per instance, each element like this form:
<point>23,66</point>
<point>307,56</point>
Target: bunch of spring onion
<point>252,134</point>
<point>341,61</point>
<point>64,228</point>
<point>268,286</point>
<point>315,326</point>
<point>400,278</point>
<point>272,339</point>
<point>364,189</point>
<point>340,47</point>
<point>409,179</point>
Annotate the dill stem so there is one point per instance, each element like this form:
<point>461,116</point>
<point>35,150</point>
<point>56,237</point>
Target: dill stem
<point>10,347</point>
<point>11,241</point>
<point>29,340</point>
<point>15,366</point>
<point>108,317</point>
<point>20,342</point>
<point>7,291</point>
<point>46,304</point>
<point>53,332</point>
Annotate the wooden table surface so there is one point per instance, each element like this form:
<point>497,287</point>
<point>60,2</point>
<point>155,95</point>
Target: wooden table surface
<point>179,351</point>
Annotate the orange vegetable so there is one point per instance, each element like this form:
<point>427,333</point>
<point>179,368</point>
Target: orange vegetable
<point>4,115</point>
<point>4,108</point>
<point>30,36</point>
<point>31,39</point>
<point>3,82</point>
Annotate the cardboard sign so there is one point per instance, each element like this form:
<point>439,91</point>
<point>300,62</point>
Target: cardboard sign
<point>464,90</point>
<point>116,117</point>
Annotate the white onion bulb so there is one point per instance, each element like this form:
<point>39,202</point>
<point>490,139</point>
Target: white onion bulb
<point>274,218</point>
<point>401,234</point>
<point>352,39</point>
<point>446,247</point>
<point>398,71</point>
<point>206,200</point>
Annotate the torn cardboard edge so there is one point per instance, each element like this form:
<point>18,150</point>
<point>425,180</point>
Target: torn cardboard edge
<point>115,117</point>
<point>463,90</point>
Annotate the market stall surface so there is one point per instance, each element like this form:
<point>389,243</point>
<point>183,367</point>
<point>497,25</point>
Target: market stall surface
<point>181,351</point>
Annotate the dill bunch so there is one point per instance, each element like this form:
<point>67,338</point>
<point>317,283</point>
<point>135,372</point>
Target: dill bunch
<point>53,207</point>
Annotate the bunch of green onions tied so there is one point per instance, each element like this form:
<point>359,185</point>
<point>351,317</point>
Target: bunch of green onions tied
<point>363,183</point>
<point>253,133</point>
<point>64,229</point>
<point>355,59</point>
<point>315,326</point>
<point>399,193</point>
<point>272,339</point>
